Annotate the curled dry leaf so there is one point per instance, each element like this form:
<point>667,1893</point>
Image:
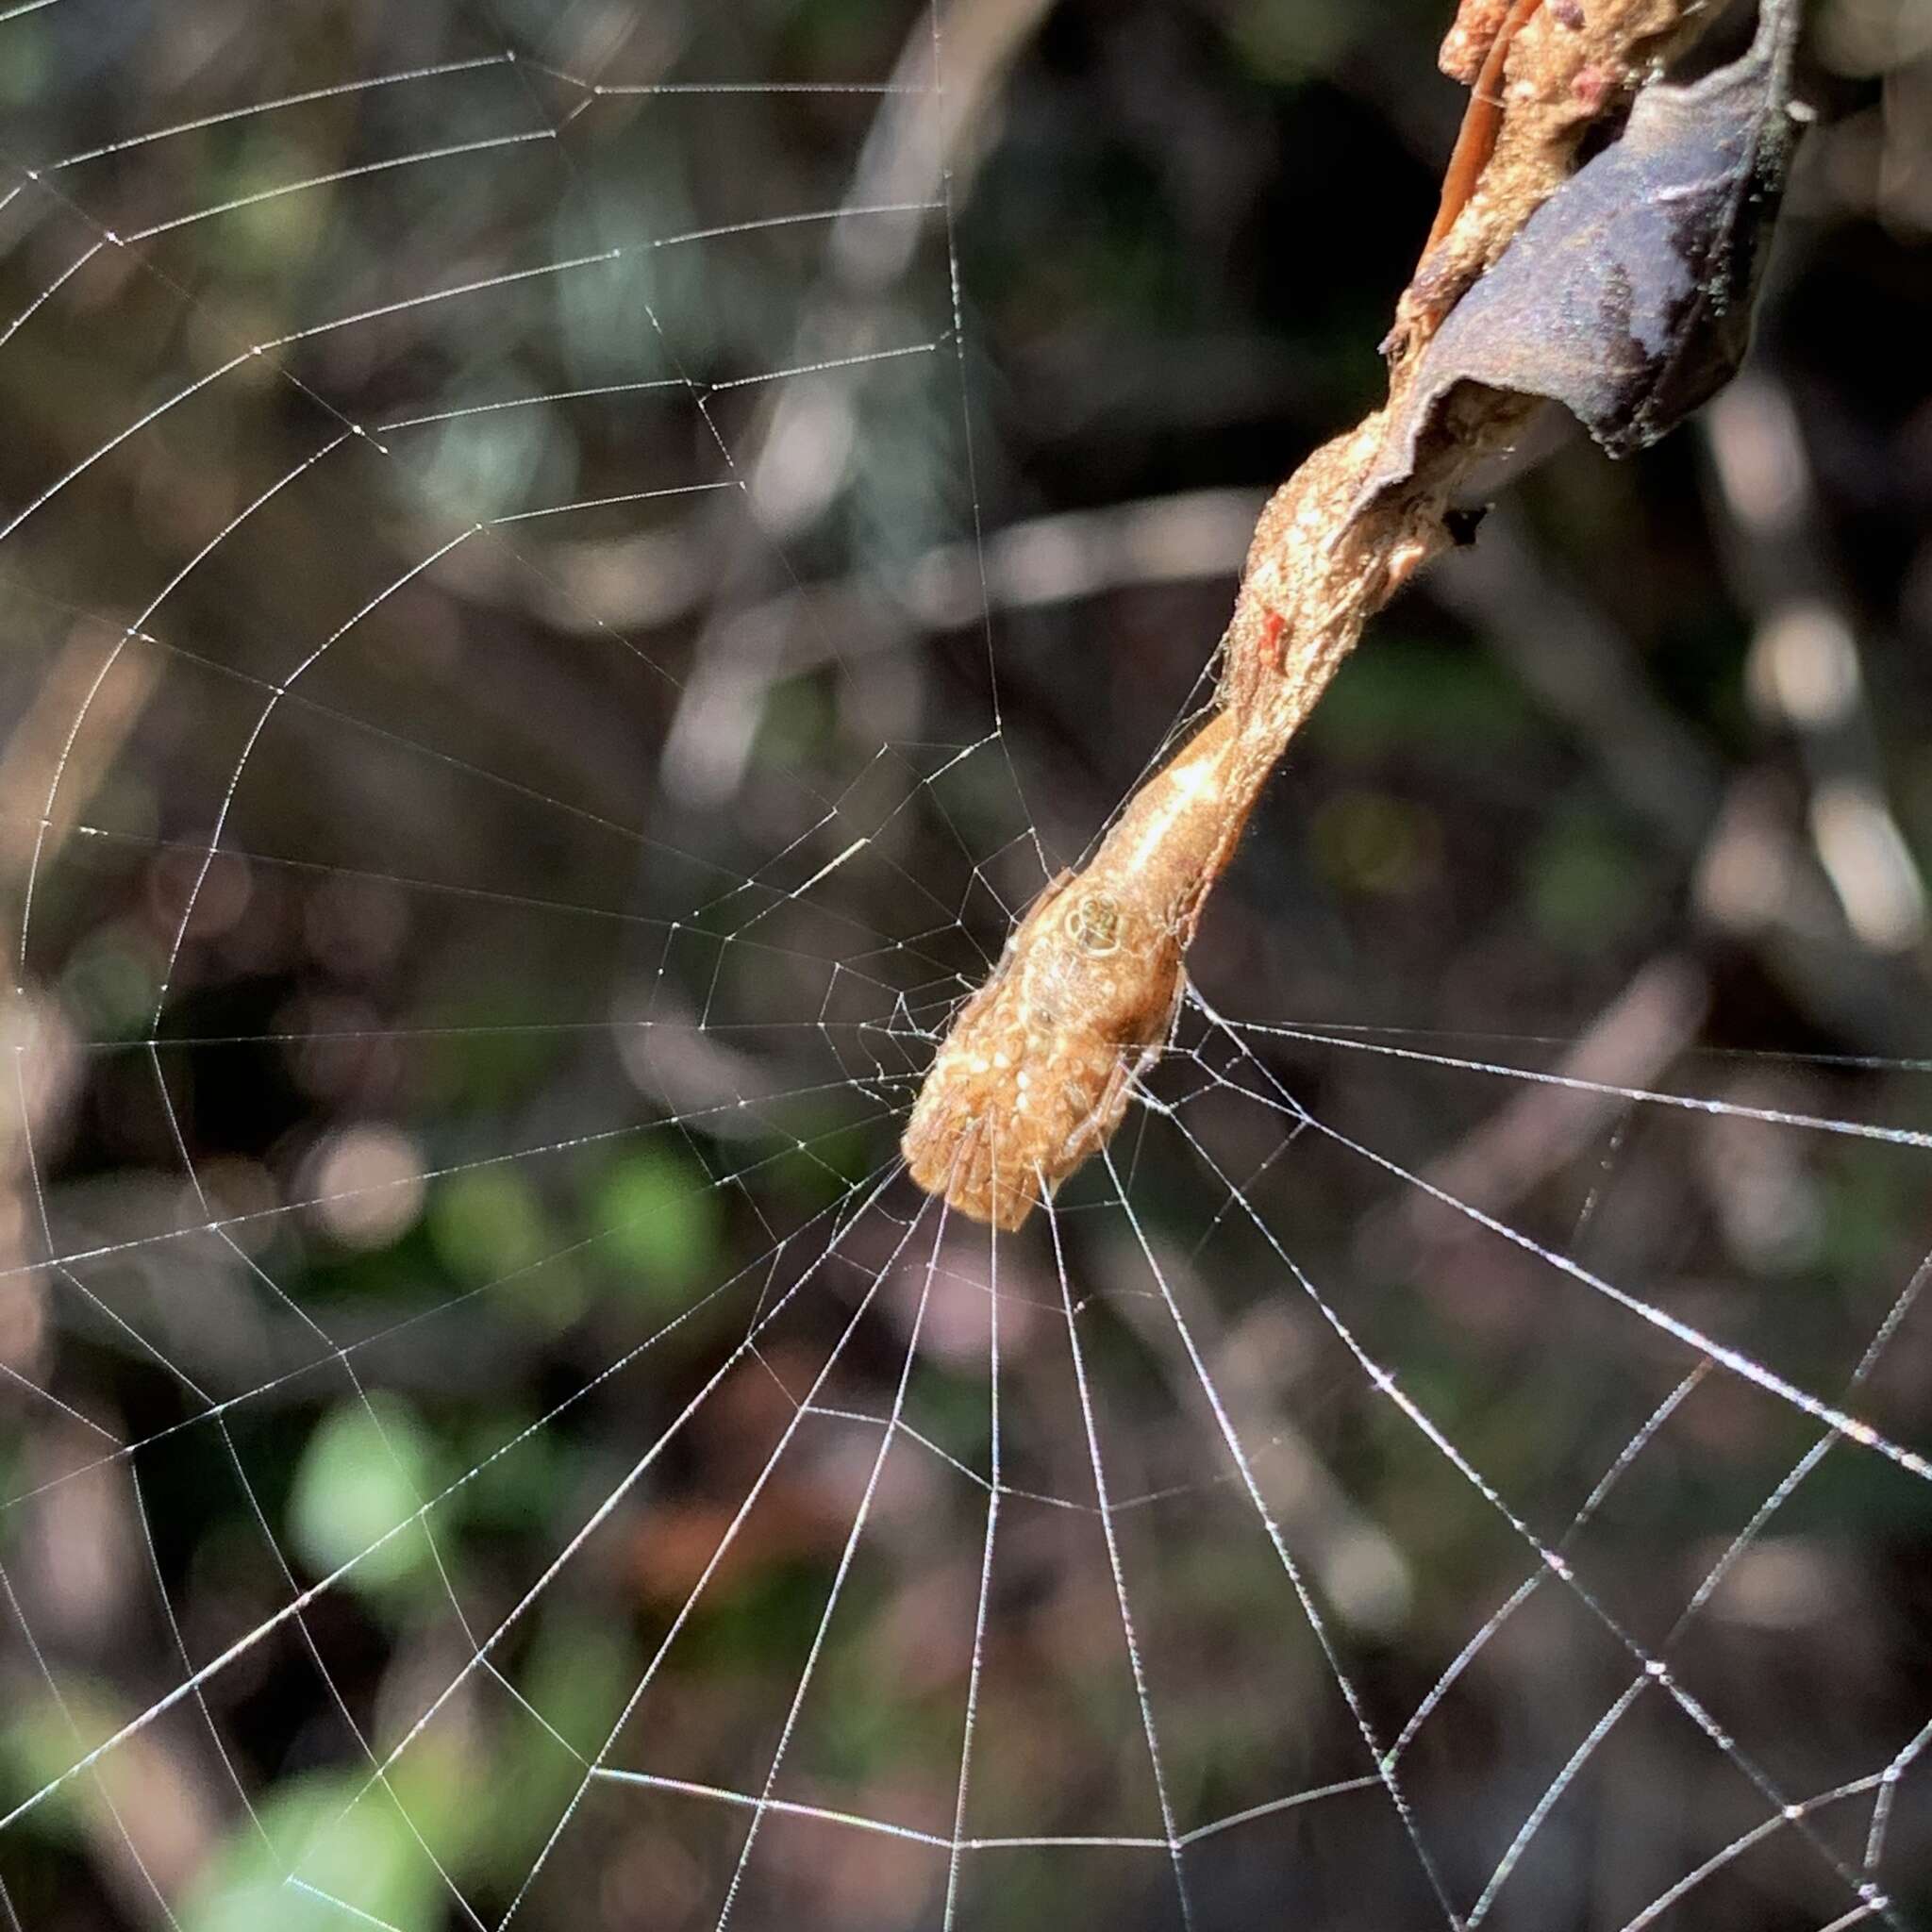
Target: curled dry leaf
<point>1629,295</point>
<point>1546,78</point>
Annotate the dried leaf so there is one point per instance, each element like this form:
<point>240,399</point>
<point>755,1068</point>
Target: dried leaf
<point>1628,296</point>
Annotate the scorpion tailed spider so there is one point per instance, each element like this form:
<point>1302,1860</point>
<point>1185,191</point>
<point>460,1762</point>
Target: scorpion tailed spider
<point>1039,1064</point>
<point>1038,1069</point>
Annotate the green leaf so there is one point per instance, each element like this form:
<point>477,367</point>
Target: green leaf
<point>339,1849</point>
<point>662,1220</point>
<point>486,1224</point>
<point>366,1469</point>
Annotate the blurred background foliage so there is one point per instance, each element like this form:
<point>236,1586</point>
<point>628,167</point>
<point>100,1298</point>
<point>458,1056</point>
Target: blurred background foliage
<point>588,896</point>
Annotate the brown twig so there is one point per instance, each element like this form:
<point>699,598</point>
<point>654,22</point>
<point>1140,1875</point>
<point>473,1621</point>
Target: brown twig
<point>1475,141</point>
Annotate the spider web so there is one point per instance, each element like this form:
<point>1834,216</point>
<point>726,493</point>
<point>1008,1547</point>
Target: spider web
<point>491,1437</point>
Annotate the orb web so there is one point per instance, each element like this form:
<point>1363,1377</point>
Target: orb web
<point>528,732</point>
